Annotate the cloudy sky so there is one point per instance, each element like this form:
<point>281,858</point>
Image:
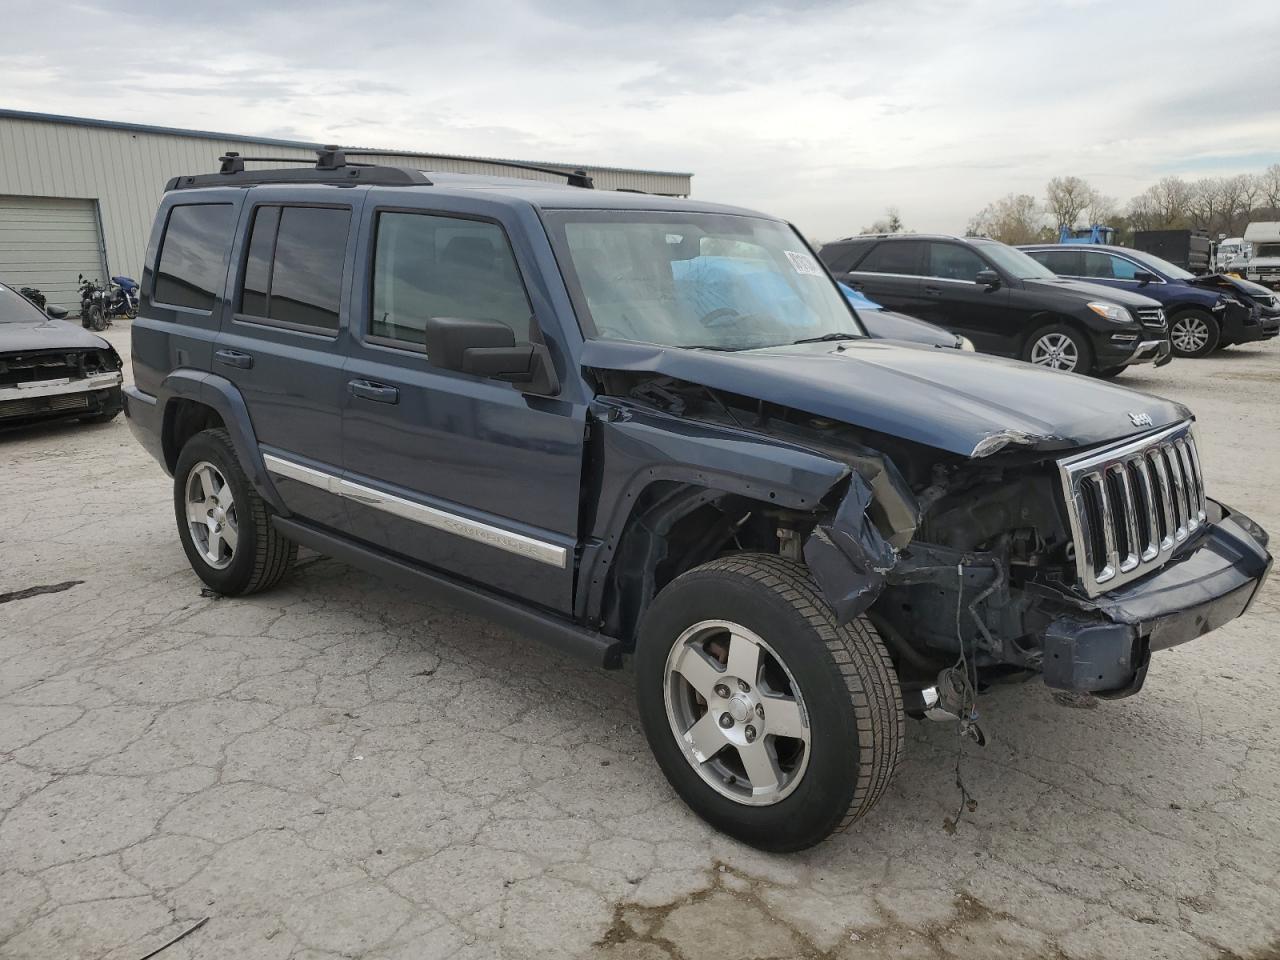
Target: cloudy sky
<point>822,112</point>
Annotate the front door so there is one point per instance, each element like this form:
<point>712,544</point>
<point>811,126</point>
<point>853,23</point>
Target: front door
<point>954,299</point>
<point>465,474</point>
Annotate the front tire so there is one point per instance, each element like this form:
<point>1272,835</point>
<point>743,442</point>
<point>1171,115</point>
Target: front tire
<point>224,525</point>
<point>1194,333</point>
<point>775,724</point>
<point>97,318</point>
<point>1059,347</point>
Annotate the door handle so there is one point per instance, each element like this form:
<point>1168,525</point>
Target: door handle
<point>377,392</point>
<point>234,358</point>
<point>932,290</point>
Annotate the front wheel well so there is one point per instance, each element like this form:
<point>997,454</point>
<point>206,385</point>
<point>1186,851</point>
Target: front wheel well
<point>183,419</point>
<point>675,527</point>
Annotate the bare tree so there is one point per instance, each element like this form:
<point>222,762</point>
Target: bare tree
<point>891,222</point>
<point>1101,209</point>
<point>1162,205</point>
<point>1251,191</point>
<point>1270,185</point>
<point>1206,201</point>
<point>1017,218</point>
<point>1067,198</point>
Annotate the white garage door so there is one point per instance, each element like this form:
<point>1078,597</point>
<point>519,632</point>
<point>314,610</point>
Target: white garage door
<point>46,241</point>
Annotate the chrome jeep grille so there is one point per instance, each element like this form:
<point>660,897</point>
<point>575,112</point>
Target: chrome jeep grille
<point>1132,504</point>
<point>1151,317</point>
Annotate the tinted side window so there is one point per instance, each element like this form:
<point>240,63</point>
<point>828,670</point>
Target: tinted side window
<point>1065,263</point>
<point>894,256</point>
<point>306,276</point>
<point>951,261</point>
<point>840,257</point>
<point>1097,265</point>
<point>193,263</point>
<point>293,271</point>
<point>433,266</point>
<point>257,271</point>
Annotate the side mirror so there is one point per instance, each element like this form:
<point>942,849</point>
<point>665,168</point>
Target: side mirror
<point>987,278</point>
<point>1143,277</point>
<point>487,348</point>
<point>58,313</point>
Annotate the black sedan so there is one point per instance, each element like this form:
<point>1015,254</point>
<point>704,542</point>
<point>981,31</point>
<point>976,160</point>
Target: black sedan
<point>50,369</point>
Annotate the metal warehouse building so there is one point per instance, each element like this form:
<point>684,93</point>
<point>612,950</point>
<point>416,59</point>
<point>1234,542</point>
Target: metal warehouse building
<point>78,195</point>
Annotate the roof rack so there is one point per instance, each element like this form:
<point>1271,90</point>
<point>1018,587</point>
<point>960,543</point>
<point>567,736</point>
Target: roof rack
<point>333,167</point>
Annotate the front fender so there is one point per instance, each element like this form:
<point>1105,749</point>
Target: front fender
<point>222,396</point>
<point>848,554</point>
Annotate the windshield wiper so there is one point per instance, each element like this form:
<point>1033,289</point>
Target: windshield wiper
<point>709,346</point>
<point>826,337</point>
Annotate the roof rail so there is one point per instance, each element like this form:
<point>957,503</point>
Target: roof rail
<point>331,167</point>
<point>574,178</point>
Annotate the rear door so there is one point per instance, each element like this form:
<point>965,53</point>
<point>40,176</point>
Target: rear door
<point>465,474</point>
<point>283,342</point>
<point>954,299</point>
<point>890,274</point>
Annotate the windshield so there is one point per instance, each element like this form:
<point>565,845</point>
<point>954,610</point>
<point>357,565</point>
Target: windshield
<point>15,308</point>
<point>714,281</point>
<point>1014,262</point>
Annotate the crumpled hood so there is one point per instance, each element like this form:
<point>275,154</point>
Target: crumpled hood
<point>963,403</point>
<point>48,335</point>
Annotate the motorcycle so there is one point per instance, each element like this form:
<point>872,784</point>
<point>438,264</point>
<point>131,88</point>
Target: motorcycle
<point>98,306</point>
<point>126,300</point>
<point>93,305</point>
<point>34,295</point>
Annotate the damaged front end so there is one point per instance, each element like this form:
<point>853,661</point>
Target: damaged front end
<point>1010,551</point>
<point>1076,569</point>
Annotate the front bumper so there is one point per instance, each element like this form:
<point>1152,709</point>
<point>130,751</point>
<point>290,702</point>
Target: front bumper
<point>64,397</point>
<point>1149,346</point>
<point>1104,646</point>
<point>1155,351</point>
<point>1247,325</point>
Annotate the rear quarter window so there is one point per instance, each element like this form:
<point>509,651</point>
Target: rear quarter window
<point>894,256</point>
<point>193,255</point>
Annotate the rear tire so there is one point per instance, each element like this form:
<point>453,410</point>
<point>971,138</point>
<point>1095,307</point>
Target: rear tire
<point>1194,333</point>
<point>832,686</point>
<point>1059,347</point>
<point>225,527</point>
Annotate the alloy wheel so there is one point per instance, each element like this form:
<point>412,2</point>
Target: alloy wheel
<point>211,515</point>
<point>1056,351</point>
<point>1189,334</point>
<point>736,713</point>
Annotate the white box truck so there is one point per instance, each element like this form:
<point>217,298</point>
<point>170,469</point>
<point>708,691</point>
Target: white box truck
<point>1264,264</point>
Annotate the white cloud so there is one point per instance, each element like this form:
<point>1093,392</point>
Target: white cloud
<point>824,113</point>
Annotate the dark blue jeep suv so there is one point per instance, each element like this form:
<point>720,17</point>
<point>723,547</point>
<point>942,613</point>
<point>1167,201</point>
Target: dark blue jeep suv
<point>636,425</point>
<point>1204,313</point>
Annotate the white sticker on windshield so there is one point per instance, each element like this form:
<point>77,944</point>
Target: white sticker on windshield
<point>803,263</point>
